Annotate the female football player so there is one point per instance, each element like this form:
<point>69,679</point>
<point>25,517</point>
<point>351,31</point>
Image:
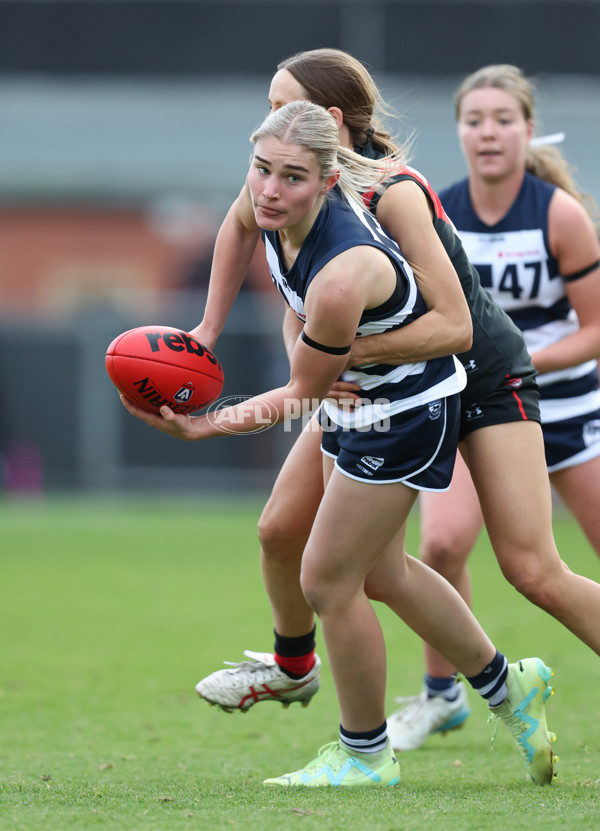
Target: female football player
<point>530,233</point>
<point>342,275</point>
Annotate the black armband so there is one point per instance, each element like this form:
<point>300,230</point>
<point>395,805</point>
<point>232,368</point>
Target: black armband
<point>331,350</point>
<point>568,278</point>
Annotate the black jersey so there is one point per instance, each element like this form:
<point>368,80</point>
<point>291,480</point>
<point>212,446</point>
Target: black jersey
<point>340,225</point>
<point>498,345</point>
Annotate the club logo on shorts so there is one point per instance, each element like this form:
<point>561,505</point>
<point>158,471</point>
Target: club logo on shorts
<point>374,462</point>
<point>435,410</point>
<point>184,393</point>
<point>515,383</point>
<point>591,432</point>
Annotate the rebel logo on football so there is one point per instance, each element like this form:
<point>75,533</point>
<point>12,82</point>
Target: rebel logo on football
<point>180,342</point>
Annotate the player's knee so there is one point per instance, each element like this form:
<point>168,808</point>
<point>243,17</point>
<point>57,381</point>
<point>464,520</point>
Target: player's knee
<point>313,589</point>
<point>325,588</point>
<point>444,552</point>
<point>279,539</point>
<point>376,589</point>
<point>539,585</point>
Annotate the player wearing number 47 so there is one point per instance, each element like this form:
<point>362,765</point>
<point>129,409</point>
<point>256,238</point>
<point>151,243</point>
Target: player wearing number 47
<point>342,274</point>
<point>529,232</point>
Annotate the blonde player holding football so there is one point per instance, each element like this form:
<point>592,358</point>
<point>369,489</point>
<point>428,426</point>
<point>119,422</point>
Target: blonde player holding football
<point>342,275</point>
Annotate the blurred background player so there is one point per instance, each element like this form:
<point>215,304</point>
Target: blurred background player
<point>530,233</point>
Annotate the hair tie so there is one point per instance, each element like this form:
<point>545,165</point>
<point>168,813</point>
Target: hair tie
<point>369,132</point>
<point>555,138</point>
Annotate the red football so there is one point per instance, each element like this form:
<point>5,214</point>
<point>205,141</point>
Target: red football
<point>156,365</point>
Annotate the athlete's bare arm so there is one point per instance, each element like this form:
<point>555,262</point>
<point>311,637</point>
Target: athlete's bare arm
<point>405,213</point>
<point>334,303</point>
<point>574,243</point>
<point>234,248</point>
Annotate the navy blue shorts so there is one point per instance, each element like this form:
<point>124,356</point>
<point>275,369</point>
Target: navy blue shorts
<point>572,441</point>
<point>416,447</point>
<point>514,399</point>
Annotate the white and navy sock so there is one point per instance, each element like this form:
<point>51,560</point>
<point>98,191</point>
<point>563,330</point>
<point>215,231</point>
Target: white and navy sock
<point>490,683</point>
<point>445,686</point>
<point>370,742</point>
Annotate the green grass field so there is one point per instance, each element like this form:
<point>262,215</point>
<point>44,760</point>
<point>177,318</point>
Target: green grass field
<point>111,612</point>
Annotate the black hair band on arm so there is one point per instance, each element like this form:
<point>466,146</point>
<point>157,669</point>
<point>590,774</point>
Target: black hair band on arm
<point>331,350</point>
<point>568,278</point>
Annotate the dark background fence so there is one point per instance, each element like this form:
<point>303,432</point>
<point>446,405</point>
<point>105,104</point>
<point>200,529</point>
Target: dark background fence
<point>240,37</point>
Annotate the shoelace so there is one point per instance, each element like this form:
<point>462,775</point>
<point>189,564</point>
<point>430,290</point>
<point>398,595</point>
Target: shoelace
<point>252,666</point>
<point>511,722</point>
<point>413,705</point>
<point>405,700</point>
<point>495,720</point>
<point>327,750</point>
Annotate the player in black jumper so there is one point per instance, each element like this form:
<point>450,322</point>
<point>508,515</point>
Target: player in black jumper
<point>504,450</point>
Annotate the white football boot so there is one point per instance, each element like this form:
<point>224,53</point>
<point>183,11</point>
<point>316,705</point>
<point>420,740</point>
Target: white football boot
<point>258,679</point>
<point>421,716</point>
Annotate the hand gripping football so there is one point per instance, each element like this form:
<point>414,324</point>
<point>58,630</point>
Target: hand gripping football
<point>156,365</point>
